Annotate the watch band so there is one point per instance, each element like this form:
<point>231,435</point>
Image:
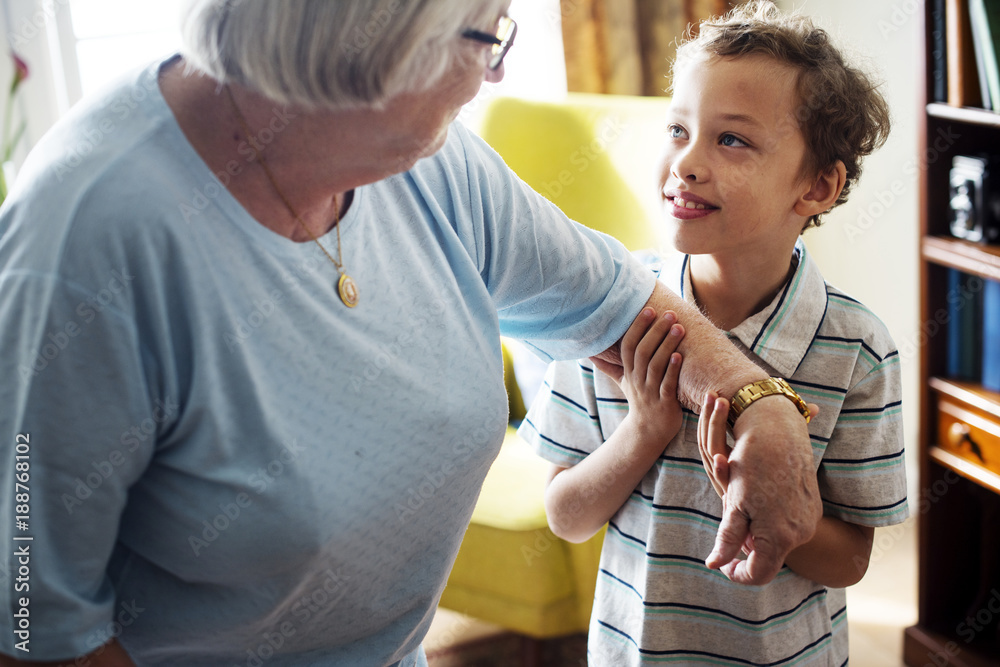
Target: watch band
<point>754,391</point>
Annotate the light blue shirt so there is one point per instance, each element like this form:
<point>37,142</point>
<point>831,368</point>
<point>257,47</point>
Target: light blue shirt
<point>227,465</point>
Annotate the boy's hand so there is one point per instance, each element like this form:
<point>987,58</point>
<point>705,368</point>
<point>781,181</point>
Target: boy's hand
<point>648,377</point>
<point>712,441</point>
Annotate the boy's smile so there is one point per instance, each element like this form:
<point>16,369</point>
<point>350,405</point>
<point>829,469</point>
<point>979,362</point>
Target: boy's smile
<point>686,205</point>
<point>732,167</point>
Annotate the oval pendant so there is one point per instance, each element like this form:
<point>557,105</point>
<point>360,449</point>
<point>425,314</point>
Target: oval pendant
<point>348,290</point>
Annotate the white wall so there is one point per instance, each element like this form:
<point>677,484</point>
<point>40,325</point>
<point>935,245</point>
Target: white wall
<point>869,246</point>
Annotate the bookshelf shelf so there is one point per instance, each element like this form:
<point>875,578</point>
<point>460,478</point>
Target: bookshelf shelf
<point>967,392</point>
<point>974,258</point>
<point>976,473</point>
<point>959,435</point>
<point>969,115</point>
<point>945,648</point>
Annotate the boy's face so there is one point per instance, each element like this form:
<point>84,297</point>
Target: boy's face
<point>732,169</point>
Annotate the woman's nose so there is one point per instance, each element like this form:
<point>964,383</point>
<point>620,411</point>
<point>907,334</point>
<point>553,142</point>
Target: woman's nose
<point>495,75</point>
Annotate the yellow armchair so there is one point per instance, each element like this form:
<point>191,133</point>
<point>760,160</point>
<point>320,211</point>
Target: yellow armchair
<point>594,156</point>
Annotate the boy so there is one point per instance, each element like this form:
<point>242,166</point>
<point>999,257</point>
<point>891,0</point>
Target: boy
<point>766,132</point>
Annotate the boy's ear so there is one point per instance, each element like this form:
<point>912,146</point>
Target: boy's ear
<point>823,194</point>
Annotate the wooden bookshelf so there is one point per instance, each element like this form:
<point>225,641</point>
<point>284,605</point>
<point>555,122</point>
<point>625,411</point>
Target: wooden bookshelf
<point>974,258</point>
<point>958,511</point>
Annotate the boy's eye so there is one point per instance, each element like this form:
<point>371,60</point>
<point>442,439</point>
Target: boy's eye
<point>732,141</point>
<point>675,131</point>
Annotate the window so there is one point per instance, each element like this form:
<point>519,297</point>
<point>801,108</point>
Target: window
<point>113,36</point>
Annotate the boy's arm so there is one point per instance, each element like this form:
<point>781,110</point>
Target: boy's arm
<point>581,499</point>
<point>774,495</point>
<point>837,556</point>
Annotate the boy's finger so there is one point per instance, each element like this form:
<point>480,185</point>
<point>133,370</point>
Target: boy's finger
<point>660,364</point>
<point>706,411</point>
<point>634,335</point>
<point>717,428</point>
<point>613,371</point>
<point>645,351</point>
<point>669,385</point>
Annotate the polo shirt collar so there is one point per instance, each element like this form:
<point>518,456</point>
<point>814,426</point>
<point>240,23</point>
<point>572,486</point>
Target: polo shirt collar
<point>781,333</point>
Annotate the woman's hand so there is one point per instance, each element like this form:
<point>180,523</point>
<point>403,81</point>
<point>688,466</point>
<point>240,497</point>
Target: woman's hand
<point>712,425</point>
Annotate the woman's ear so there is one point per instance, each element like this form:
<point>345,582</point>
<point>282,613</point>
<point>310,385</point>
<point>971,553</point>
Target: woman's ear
<point>823,194</point>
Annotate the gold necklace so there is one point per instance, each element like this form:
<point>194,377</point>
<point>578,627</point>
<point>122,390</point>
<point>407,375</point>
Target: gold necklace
<point>346,286</point>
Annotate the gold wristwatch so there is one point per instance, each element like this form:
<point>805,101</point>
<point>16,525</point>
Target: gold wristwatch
<point>757,390</point>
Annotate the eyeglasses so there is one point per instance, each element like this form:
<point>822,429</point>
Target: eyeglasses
<point>501,41</point>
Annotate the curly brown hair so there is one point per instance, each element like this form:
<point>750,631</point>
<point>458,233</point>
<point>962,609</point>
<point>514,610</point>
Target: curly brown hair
<point>841,114</point>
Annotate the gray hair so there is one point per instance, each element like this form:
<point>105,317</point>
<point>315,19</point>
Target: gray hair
<point>331,54</point>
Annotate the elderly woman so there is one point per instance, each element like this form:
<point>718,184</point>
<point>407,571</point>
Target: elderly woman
<point>251,300</point>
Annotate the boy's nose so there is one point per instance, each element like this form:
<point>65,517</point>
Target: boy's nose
<point>689,166</point>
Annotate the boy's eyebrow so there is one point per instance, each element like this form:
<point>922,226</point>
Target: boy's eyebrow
<point>741,118</point>
<point>725,117</point>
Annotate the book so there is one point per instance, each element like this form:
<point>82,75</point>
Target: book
<point>965,327</point>
<point>991,335</point>
<point>984,16</point>
<point>939,53</point>
<point>963,76</point>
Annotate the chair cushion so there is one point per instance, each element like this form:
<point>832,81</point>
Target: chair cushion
<point>595,156</point>
<point>511,569</point>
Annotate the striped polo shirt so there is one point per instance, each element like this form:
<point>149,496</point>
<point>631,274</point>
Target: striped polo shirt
<point>656,602</point>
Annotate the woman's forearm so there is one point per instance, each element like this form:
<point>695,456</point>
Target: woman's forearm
<point>711,362</point>
<point>581,499</point>
<point>837,556</point>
